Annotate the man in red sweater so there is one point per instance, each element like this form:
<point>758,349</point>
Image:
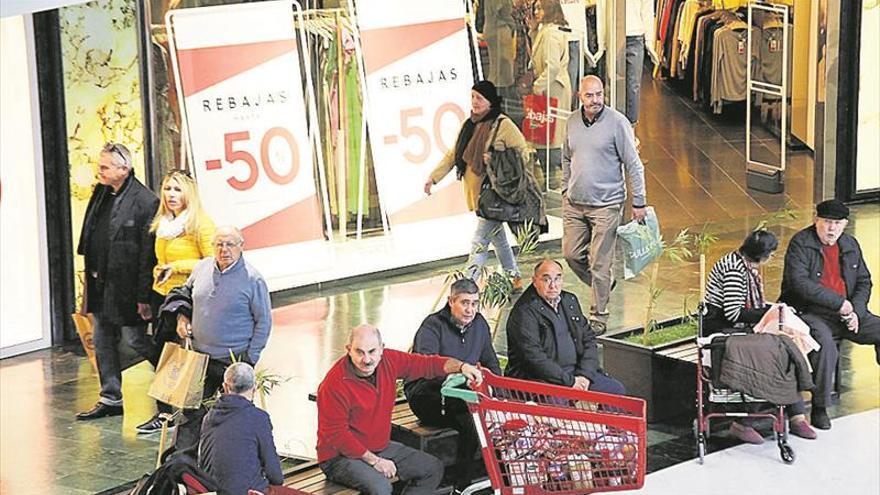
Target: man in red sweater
<point>354,416</point>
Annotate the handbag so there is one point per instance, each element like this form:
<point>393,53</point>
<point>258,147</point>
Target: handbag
<point>180,376</point>
<point>641,243</point>
<point>537,123</point>
<point>492,207</point>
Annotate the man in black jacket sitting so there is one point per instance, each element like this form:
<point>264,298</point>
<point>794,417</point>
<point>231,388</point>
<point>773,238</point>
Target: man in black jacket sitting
<point>550,340</point>
<point>826,278</point>
<point>236,447</point>
<point>459,331</point>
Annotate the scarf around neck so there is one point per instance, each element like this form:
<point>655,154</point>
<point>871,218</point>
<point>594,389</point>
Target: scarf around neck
<point>755,289</point>
<point>464,138</point>
<point>171,227</point>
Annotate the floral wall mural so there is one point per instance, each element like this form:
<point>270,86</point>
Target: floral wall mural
<point>102,92</point>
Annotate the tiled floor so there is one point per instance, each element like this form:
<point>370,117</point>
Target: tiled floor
<point>696,179</point>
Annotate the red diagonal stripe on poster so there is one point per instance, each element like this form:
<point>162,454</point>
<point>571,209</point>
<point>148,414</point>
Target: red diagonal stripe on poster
<point>201,68</point>
<point>297,223</point>
<point>388,45</point>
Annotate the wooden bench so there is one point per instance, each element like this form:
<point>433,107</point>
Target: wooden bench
<point>309,478</point>
<point>686,351</point>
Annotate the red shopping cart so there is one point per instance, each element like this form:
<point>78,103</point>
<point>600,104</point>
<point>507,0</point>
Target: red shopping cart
<point>541,439</point>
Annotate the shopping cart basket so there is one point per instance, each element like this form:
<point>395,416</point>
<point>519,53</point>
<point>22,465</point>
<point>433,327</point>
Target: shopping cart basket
<point>540,439</point>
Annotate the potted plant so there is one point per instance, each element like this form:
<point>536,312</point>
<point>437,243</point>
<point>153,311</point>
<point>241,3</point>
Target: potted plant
<point>646,358</point>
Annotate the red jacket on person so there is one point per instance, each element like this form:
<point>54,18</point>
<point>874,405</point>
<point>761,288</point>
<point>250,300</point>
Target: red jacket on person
<point>354,415</point>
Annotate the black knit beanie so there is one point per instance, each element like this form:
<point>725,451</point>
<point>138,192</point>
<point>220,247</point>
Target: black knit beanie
<point>489,92</point>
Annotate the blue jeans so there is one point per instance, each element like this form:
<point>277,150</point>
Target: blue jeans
<point>606,384</point>
<point>420,471</point>
<point>106,337</point>
<point>635,62</point>
<point>490,231</point>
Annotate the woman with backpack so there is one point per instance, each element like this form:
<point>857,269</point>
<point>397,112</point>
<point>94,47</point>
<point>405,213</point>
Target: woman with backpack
<point>484,132</point>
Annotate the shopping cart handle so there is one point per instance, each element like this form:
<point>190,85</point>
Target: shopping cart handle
<point>451,389</point>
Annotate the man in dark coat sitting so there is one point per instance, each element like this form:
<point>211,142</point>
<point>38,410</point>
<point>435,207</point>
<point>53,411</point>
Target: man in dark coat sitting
<point>459,331</point>
<point>826,278</point>
<point>550,340</point>
<point>236,447</point>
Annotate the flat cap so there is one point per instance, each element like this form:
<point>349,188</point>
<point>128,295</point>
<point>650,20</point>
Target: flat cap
<point>832,209</point>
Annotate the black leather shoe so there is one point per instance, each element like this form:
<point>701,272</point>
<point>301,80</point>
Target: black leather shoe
<point>100,410</point>
<point>819,418</point>
<point>598,327</point>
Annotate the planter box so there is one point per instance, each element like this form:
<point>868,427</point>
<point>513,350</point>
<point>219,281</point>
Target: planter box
<point>663,375</point>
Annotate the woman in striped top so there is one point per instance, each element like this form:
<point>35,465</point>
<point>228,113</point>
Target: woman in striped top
<point>735,302</point>
<point>735,291</point>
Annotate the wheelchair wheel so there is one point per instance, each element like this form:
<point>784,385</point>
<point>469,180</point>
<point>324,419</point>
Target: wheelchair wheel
<point>700,441</point>
<point>786,453</point>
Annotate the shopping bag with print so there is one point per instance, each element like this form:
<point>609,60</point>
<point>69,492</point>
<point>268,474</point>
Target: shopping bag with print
<point>641,243</point>
<point>180,376</point>
<point>537,123</point>
<point>84,328</point>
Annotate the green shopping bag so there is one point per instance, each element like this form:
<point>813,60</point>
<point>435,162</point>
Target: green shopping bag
<point>641,244</point>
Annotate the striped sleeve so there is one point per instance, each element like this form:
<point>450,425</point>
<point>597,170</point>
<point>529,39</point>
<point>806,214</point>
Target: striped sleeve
<point>727,286</point>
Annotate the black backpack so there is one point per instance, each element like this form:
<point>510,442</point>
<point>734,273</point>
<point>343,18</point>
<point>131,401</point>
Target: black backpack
<point>180,475</point>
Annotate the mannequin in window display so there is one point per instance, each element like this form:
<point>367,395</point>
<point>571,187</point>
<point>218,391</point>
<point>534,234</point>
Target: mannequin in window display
<point>498,33</point>
<point>550,63</point>
<point>639,38</point>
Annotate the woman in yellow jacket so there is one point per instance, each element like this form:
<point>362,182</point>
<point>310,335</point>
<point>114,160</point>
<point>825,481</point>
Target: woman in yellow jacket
<point>469,158</point>
<point>184,234</point>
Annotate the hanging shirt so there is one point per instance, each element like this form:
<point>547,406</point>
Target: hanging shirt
<point>640,19</point>
<point>831,278</point>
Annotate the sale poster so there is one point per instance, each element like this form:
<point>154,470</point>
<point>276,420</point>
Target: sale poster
<point>245,120</point>
<point>418,95</point>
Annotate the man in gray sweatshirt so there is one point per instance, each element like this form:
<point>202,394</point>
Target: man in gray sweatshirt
<point>232,314</point>
<point>599,144</point>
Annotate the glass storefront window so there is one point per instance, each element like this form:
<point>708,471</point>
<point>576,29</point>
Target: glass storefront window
<point>338,89</point>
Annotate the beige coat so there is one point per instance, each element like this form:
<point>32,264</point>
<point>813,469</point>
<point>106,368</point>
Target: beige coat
<point>508,134</point>
<point>550,62</point>
<point>498,33</point>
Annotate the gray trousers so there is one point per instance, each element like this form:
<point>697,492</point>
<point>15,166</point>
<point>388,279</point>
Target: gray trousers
<point>421,472</point>
<point>635,62</point>
<point>589,238</point>
<point>826,330</point>
<point>107,337</point>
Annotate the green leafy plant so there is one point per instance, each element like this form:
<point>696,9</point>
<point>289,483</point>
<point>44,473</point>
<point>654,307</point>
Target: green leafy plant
<point>676,251</point>
<point>265,381</point>
<point>787,212</point>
